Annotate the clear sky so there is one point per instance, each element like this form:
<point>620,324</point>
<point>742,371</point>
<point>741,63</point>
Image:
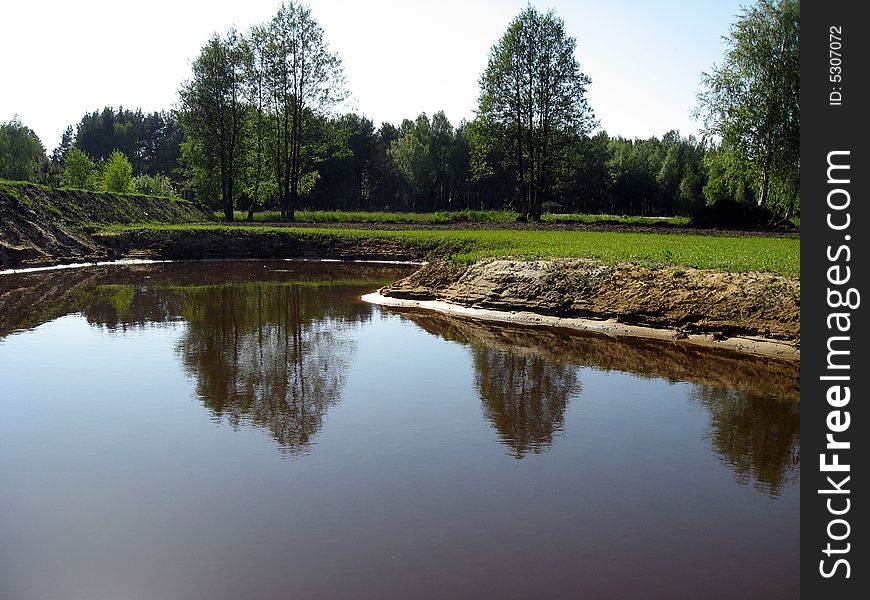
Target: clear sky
<point>63,58</point>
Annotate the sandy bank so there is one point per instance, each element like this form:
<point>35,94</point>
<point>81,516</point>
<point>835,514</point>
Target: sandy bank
<point>753,312</point>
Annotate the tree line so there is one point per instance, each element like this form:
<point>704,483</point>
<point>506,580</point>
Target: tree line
<point>109,150</point>
<point>256,127</point>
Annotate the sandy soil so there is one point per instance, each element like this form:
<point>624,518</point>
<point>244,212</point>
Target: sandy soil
<point>753,312</point>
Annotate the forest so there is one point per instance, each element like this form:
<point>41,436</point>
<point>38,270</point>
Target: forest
<point>258,126</point>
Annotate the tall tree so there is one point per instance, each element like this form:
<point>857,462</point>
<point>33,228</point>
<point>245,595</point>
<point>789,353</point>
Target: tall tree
<point>306,80</point>
<point>441,141</point>
<point>533,88</point>
<point>346,169</point>
<point>752,100</point>
<point>411,155</point>
<point>588,182</point>
<point>256,93</point>
<point>384,178</point>
<point>151,141</point>
<point>459,168</point>
<point>59,154</point>
<point>212,114</point>
<point>22,155</point>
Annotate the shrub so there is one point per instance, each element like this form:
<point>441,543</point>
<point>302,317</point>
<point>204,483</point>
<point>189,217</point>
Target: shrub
<point>118,174</point>
<point>79,170</point>
<point>153,185</point>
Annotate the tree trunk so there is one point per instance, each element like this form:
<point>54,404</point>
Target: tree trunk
<point>765,184</point>
<point>765,179</point>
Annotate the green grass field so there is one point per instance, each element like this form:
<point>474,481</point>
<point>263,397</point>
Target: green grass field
<point>774,254</point>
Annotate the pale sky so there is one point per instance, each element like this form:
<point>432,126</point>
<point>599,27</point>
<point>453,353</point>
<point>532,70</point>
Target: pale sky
<point>61,59</point>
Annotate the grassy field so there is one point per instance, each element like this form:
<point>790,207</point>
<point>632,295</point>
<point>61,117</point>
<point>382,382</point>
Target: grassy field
<point>779,255</point>
<point>474,216</point>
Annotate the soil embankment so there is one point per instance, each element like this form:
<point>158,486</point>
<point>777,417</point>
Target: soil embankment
<point>763,307</point>
<point>41,226</point>
<point>237,242</point>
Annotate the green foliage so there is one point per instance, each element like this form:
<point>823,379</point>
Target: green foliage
<point>347,166</point>
<point>80,171</point>
<point>308,81</point>
<point>153,185</point>
<point>410,153</point>
<point>448,217</point>
<point>260,139</point>
<point>150,140</point>
<point>730,176</point>
<point>253,113</point>
<point>22,155</point>
<point>212,117</point>
<point>117,174</point>
<point>531,92</point>
<point>339,216</point>
<point>751,103</point>
<point>59,154</point>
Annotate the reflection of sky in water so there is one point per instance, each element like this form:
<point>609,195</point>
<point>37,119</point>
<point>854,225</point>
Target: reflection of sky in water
<point>120,477</point>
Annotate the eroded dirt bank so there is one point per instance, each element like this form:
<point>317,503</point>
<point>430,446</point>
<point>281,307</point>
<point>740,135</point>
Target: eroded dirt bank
<point>220,243</point>
<point>44,226</point>
<point>684,300</point>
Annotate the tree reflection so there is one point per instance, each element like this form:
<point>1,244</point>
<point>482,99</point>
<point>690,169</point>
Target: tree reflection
<point>527,375</point>
<point>758,438</point>
<point>273,355</point>
<point>267,342</point>
<point>524,397</point>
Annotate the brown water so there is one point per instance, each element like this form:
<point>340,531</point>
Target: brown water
<point>253,430</point>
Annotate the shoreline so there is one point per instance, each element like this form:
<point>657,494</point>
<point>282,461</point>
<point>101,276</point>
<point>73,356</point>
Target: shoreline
<point>753,306</point>
<point>609,327</point>
<point>524,306</point>
<point>149,261</point>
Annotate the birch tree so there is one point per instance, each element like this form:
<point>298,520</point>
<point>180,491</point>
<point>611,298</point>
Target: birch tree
<point>532,89</point>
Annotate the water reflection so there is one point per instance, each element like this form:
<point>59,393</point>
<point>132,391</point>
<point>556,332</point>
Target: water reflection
<point>276,355</point>
<point>527,375</point>
<point>123,297</point>
<point>271,344</point>
<point>642,357</point>
<point>413,486</point>
<point>758,438</point>
<point>524,397</point>
<point>268,343</point>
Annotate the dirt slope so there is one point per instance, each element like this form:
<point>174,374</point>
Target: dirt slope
<point>40,225</point>
<point>690,300</point>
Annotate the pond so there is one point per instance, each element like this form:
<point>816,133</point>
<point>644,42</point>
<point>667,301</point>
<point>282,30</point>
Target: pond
<point>255,430</point>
